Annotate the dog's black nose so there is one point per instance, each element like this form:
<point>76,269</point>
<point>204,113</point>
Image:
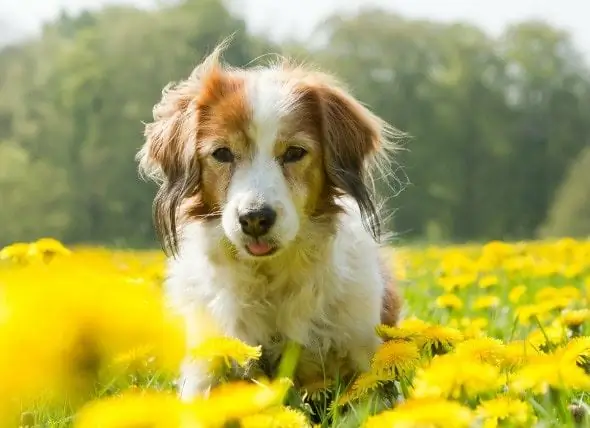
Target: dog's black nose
<point>257,222</point>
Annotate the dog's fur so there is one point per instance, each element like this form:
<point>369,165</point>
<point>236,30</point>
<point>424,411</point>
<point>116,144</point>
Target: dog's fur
<point>325,286</point>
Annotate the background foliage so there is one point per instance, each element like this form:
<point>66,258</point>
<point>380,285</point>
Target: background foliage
<point>495,123</point>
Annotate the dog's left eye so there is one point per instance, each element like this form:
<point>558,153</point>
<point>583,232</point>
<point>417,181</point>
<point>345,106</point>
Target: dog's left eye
<point>293,154</point>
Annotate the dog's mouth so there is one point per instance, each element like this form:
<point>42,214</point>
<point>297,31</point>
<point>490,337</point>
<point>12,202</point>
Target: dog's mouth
<point>261,248</point>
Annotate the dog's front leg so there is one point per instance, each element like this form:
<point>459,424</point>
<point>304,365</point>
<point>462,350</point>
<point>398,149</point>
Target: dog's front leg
<point>196,380</point>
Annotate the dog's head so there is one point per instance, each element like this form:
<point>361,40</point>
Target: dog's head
<point>261,151</point>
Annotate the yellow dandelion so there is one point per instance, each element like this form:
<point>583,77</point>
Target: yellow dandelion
<point>516,353</point>
<point>440,338</point>
<point>576,350</point>
<point>364,384</point>
<point>224,349</point>
<point>395,333</point>
<point>573,319</point>
<point>569,292</point>
<point>486,302</point>
<point>525,314</point>
<point>485,349</point>
<point>236,400</point>
<point>48,248</point>
<point>452,282</point>
<point>17,252</point>
<point>470,327</point>
<point>395,358</point>
<point>546,293</point>
<point>505,410</point>
<point>63,335</point>
<point>488,281</point>
<point>555,370</point>
<point>280,417</point>
<point>516,293</point>
<point>133,409</point>
<point>547,337</point>
<point>422,413</point>
<point>452,376</point>
<point>449,301</point>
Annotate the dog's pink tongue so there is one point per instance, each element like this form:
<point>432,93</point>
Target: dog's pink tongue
<point>259,248</point>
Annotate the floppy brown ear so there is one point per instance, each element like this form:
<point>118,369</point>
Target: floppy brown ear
<point>169,154</point>
<point>168,157</point>
<point>353,137</point>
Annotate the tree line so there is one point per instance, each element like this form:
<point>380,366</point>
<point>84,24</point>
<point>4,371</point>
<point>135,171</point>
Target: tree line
<point>494,124</point>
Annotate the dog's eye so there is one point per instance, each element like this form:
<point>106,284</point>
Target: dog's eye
<point>223,154</point>
<point>293,154</point>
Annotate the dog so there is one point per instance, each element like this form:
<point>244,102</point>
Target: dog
<point>267,210</point>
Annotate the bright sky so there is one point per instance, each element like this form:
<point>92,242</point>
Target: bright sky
<point>297,17</point>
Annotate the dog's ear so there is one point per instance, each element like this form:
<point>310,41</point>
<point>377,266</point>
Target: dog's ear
<point>168,157</point>
<point>354,138</point>
<point>169,154</point>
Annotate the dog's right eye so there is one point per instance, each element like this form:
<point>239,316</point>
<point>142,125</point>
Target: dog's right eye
<point>223,154</point>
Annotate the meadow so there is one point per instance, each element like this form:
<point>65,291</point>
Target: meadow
<point>493,335</point>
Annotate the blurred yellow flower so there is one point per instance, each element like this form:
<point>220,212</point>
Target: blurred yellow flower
<point>280,417</point>
<point>47,248</point>
<point>488,281</point>
<point>135,409</point>
<point>575,318</point>
<point>422,413</point>
<point>516,353</point>
<point>516,293</point>
<point>486,302</point>
<point>236,400</point>
<point>505,410</point>
<point>485,349</point>
<point>17,252</point>
<point>224,349</point>
<point>547,337</point>
<point>555,370</point>
<point>452,376</point>
<point>449,301</point>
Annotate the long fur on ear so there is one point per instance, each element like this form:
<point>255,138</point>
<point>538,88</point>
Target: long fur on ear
<point>356,141</point>
<point>168,155</point>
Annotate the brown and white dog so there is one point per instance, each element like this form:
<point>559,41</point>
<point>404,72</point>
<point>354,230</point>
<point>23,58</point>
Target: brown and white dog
<point>266,205</point>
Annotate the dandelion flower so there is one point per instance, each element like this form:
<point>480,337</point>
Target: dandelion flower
<point>364,384</point>
<point>516,353</point>
<point>505,410</point>
<point>226,349</point>
<point>432,337</point>
<point>395,333</point>
<point>449,301</point>
<point>485,349</point>
<point>236,400</point>
<point>554,370</point>
<point>547,337</point>
<point>486,302</point>
<point>419,413</point>
<point>573,319</point>
<point>17,252</point>
<point>452,376</point>
<point>395,358</point>
<point>133,409</point>
<point>280,417</point>
<point>48,248</point>
<point>516,293</point>
<point>488,281</point>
